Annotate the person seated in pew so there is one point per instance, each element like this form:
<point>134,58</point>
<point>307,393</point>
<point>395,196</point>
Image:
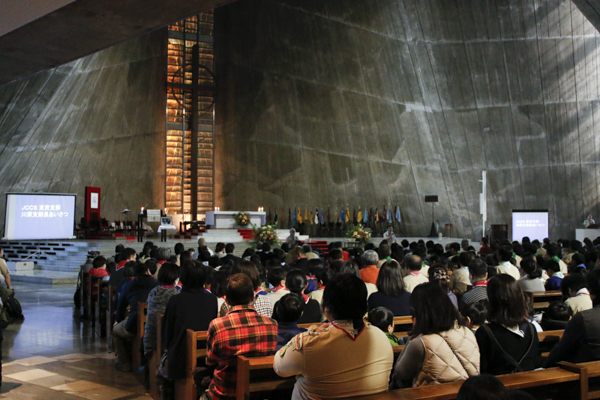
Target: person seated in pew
<point>289,309</point>
<point>557,316</point>
<point>509,342</point>
<point>342,358</point>
<point>262,302</point>
<point>241,332</point>
<point>412,271</point>
<point>322,278</point>
<point>439,274</point>
<point>276,278</point>
<point>573,287</point>
<point>296,282</point>
<point>581,339</point>
<point>126,327</point>
<point>98,271</point>
<point>383,319</point>
<point>459,280</point>
<point>390,293</point>
<point>478,276</point>
<point>158,298</point>
<point>218,285</point>
<point>482,387</point>
<point>193,308</point>
<point>555,276</point>
<point>532,281</point>
<point>438,350</point>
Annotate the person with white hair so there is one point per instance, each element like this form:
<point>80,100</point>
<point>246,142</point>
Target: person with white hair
<point>292,239</point>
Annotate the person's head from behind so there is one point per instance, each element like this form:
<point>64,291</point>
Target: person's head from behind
<point>370,257</point>
<point>478,270</point>
<point>345,298</point>
<point>476,313</point>
<point>99,262</point>
<point>323,277</point>
<point>127,254</point>
<point>439,274</point>
<point>229,248</point>
<point>335,255</point>
<point>185,256</point>
<point>298,253</point>
<point>465,258</point>
<point>129,269</point>
<point>558,311</point>
<point>389,280</point>
<point>412,263</point>
<point>141,269</point>
<point>248,268</point>
<point>239,290</point>
<point>529,265</point>
<point>119,248</point>
<point>152,266</point>
<point>218,283</point>
<point>349,267</point>
<point>290,307</point>
<point>552,267</point>
<point>384,251</point>
<point>572,284</point>
<point>168,274</point>
<point>482,387</point>
<point>508,305</point>
<point>432,309</point>
<point>163,254</point>
<point>593,284</point>
<point>295,281</point>
<point>382,318</point>
<point>505,253</point>
<point>192,276</point>
<point>276,277</point>
<point>179,248</point>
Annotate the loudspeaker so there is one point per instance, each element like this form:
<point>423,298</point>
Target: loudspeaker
<point>431,199</point>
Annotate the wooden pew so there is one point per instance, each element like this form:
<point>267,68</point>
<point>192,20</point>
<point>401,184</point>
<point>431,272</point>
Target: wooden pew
<point>136,343</point>
<point>256,374</point>
<point>403,324</point>
<point>110,314</point>
<point>83,293</point>
<point>541,300</point>
<point>548,340</point>
<point>156,356</point>
<point>100,309</point>
<point>554,383</point>
<point>196,348</point>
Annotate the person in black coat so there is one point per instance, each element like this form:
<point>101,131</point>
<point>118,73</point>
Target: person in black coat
<point>296,282</point>
<point>194,308</point>
<point>229,249</point>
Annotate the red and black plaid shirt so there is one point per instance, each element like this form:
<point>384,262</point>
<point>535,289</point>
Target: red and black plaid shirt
<point>241,332</point>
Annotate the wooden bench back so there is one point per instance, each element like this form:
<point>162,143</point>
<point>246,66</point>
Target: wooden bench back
<point>541,300</point>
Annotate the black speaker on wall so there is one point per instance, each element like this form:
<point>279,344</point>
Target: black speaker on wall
<point>431,199</point>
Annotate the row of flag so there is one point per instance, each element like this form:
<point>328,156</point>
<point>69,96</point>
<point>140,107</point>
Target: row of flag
<point>343,215</point>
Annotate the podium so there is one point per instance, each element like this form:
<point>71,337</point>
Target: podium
<point>581,234</point>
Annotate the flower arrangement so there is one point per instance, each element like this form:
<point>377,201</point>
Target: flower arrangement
<point>265,234</point>
<point>362,235</point>
<point>241,219</point>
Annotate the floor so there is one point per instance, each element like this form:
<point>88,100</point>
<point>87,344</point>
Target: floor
<point>51,355</point>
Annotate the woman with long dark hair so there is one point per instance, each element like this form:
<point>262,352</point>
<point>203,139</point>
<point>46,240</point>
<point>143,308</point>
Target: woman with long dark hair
<point>390,290</point>
<point>509,342</point>
<point>439,350</point>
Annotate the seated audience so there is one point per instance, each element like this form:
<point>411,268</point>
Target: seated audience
<point>369,272</point>
<point>476,314</point>
<point>485,249</point>
<point>194,308</point>
<point>581,340</point>
<point>438,350</point>
<point>383,319</point>
<point>439,275</point>
<point>390,290</point>
<point>350,267</point>
<point>218,284</point>
<point>241,332</point>
<point>506,266</point>
<point>322,277</point>
<point>157,303</point>
<point>508,343</point>
<point>555,276</point>
<point>532,281</point>
<point>289,309</point>
<point>574,287</point>
<point>126,326</point>
<point>98,270</point>
<point>276,278</point>
<point>296,282</point>
<point>342,358</point>
<point>556,316</point>
<point>262,302</point>
<point>412,272</point>
<point>478,275</point>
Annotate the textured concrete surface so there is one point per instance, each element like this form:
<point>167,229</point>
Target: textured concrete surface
<point>98,121</point>
<point>84,27</point>
<point>386,101</point>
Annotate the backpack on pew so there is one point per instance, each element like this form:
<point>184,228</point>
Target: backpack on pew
<point>13,309</point>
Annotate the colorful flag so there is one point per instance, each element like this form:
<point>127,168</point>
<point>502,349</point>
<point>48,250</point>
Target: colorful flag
<point>295,218</point>
<point>389,215</point>
<point>317,215</point>
<point>376,214</point>
<point>342,215</point>
<point>398,216</point>
<point>335,216</point>
<point>347,214</point>
<point>299,216</point>
<point>310,218</point>
<point>359,217</point>
<point>306,215</point>
<point>366,216</point>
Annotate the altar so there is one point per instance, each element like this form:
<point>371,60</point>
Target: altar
<point>581,234</point>
<point>224,219</point>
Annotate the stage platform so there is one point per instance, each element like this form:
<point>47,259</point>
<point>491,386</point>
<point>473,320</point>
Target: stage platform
<point>59,261</point>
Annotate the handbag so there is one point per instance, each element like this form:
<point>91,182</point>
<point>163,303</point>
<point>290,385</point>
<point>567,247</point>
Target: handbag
<point>163,366</point>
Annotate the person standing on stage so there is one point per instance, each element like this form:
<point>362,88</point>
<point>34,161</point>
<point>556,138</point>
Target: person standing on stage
<point>389,235</point>
<point>588,221</point>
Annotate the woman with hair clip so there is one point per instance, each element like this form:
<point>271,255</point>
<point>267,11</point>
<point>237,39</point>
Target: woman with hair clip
<point>509,342</point>
<point>438,350</point>
<point>342,358</point>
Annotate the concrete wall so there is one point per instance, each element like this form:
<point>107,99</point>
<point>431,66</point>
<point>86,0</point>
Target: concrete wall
<point>324,103</point>
<point>98,121</point>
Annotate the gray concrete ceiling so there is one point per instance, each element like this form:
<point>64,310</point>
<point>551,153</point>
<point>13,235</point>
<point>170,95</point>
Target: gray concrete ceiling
<point>591,9</point>
<point>84,27</point>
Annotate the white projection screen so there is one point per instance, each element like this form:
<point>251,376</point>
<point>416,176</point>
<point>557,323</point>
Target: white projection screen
<point>530,223</point>
<point>39,216</point>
